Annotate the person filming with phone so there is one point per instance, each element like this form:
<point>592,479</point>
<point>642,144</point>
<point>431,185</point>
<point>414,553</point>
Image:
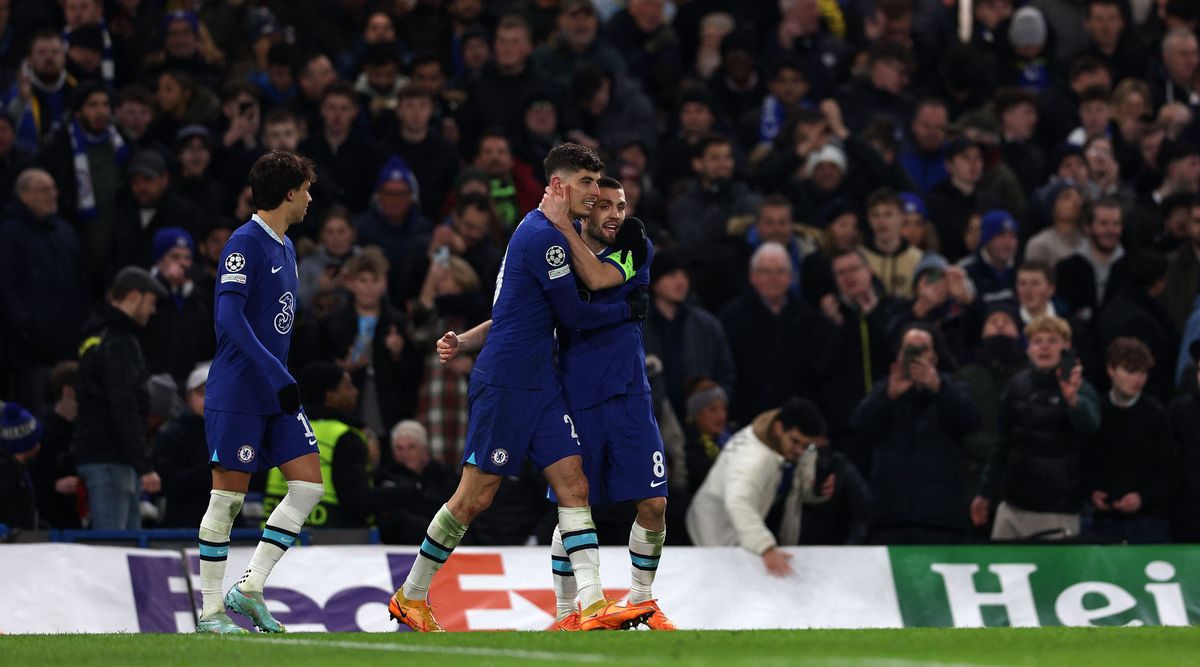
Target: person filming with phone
<point>915,423</point>
<point>1047,413</point>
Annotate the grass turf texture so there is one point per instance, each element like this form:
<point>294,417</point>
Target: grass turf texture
<point>1092,647</point>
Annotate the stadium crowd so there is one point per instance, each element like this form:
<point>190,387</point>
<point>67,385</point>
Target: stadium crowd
<point>978,259</point>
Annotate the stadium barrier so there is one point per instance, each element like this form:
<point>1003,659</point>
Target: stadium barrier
<point>54,588</point>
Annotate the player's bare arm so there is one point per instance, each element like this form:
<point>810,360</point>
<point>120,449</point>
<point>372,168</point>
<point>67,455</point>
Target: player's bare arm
<point>595,274</point>
<point>451,344</point>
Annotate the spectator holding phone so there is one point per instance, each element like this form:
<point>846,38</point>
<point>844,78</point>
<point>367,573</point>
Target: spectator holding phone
<point>915,423</point>
<point>1130,468</point>
<point>1047,413</point>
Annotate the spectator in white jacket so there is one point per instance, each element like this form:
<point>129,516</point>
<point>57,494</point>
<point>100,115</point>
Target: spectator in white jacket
<point>767,462</point>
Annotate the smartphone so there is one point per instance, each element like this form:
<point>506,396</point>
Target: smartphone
<point>442,255</point>
<point>911,352</point>
<point>244,108</point>
<point>934,275</point>
<point>1066,364</point>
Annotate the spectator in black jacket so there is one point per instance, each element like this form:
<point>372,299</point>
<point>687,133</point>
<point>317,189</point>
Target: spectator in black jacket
<point>953,201</point>
<point>369,339</point>
<point>1046,416</point>
<point>342,151</point>
<point>110,433</point>
<point>685,339</point>
<point>915,423</point>
<point>42,291</point>
<point>425,483</point>
<point>1094,273</point>
<point>54,474</point>
<point>1131,463</point>
<point>181,333</point>
<point>853,350</point>
<point>20,440</point>
<point>1137,311</point>
<point>151,207</point>
<point>767,329</point>
<point>433,159</point>
<point>181,458</point>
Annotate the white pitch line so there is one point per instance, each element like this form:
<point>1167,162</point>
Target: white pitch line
<point>446,650</point>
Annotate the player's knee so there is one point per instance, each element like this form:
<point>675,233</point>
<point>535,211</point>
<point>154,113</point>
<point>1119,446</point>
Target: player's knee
<point>304,496</point>
<point>468,506</point>
<point>652,510</point>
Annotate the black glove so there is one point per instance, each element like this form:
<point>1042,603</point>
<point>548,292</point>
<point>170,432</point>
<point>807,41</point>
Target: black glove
<point>631,240</point>
<point>639,304</point>
<point>289,399</point>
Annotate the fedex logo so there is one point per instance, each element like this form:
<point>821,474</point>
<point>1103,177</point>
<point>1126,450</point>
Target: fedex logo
<point>473,591</point>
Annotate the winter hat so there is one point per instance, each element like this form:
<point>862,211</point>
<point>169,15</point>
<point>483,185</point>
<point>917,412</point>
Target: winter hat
<point>89,37</point>
<point>930,262</point>
<point>1006,306</point>
<point>665,263</point>
<point>914,204</point>
<point>19,430</point>
<point>993,223</point>
<point>1028,28</point>
<point>396,169</point>
<point>164,396</point>
<point>171,237</point>
<point>182,15</point>
<point>827,153</point>
<point>199,376</point>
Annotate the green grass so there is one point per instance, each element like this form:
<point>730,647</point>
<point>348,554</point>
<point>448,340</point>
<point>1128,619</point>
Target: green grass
<point>1090,647</point>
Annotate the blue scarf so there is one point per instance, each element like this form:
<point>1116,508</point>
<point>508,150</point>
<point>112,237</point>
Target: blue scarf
<point>80,141</point>
<point>771,120</point>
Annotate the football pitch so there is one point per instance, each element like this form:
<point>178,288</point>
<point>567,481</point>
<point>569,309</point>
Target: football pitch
<point>1090,647</point>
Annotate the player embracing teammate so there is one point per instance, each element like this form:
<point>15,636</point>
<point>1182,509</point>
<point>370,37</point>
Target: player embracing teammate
<point>517,410</point>
<point>602,371</point>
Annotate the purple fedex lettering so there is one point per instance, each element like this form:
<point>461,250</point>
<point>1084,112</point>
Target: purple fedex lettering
<point>156,603</point>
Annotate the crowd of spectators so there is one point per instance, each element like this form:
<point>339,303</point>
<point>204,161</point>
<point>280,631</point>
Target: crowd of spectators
<point>970,241</point>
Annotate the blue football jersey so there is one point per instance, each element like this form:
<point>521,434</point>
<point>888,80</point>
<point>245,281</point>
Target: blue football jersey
<point>520,351</point>
<point>601,363</point>
<point>262,267</point>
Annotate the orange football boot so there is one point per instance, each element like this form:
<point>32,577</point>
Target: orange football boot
<point>613,615</point>
<point>659,620</point>
<point>569,623</point>
<point>416,614</point>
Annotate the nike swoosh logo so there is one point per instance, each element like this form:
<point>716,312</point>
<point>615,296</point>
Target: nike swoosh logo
<point>654,485</point>
<point>276,269</point>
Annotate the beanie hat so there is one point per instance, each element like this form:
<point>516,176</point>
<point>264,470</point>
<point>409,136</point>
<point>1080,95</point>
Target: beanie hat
<point>914,204</point>
<point>198,377</point>
<point>665,263</point>
<point>171,237</point>
<point>1028,28</point>
<point>19,430</point>
<point>396,169</point>
<point>827,153</point>
<point>929,262</point>
<point>994,222</point>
